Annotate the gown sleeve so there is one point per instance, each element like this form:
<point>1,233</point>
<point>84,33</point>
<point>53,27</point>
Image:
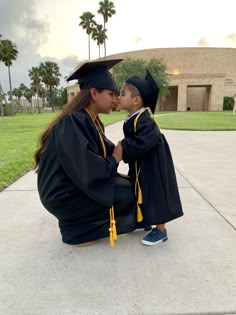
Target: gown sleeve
<point>79,154</point>
<point>147,136</point>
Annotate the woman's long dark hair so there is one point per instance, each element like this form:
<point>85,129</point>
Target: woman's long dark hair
<point>80,101</point>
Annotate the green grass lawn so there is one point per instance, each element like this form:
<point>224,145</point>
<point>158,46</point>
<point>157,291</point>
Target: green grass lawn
<point>197,120</point>
<point>19,138</point>
<point>19,134</point>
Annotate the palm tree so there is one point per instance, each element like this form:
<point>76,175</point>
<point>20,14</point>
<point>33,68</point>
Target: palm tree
<point>28,94</point>
<point>1,92</point>
<point>8,53</point>
<point>42,94</point>
<point>17,93</point>
<point>35,76</point>
<point>0,45</point>
<point>50,77</point>
<point>25,91</point>
<point>99,35</point>
<point>87,22</point>
<point>106,9</point>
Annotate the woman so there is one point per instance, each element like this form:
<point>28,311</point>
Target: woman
<point>77,165</point>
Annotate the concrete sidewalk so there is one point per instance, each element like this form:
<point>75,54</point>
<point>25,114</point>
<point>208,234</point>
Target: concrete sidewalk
<point>193,273</point>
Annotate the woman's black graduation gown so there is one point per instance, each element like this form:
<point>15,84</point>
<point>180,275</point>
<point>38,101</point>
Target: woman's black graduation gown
<point>161,201</point>
<point>78,185</point>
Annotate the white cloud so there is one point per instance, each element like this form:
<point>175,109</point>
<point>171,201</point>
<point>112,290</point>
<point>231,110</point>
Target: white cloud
<point>51,28</point>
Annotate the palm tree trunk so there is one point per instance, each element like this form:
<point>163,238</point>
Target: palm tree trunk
<point>11,99</point>
<point>52,105</point>
<point>89,46</point>
<point>1,105</point>
<point>1,102</point>
<point>105,53</point>
<point>99,51</point>
<point>37,101</point>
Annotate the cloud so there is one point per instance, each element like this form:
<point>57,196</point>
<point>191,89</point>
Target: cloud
<point>203,42</point>
<point>20,24</point>
<point>231,39</point>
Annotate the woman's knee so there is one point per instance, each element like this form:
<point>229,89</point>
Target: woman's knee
<point>124,191</point>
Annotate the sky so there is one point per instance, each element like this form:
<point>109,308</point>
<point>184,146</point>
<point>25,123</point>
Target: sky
<point>49,30</point>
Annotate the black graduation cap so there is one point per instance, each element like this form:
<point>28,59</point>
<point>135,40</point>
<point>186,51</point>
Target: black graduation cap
<point>148,89</point>
<point>95,74</point>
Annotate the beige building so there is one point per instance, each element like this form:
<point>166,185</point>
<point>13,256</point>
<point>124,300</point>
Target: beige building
<point>199,78</point>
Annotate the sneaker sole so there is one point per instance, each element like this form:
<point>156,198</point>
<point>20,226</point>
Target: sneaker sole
<point>154,243</point>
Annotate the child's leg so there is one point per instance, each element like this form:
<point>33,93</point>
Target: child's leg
<point>161,227</point>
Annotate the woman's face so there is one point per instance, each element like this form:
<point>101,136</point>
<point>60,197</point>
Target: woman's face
<point>104,101</point>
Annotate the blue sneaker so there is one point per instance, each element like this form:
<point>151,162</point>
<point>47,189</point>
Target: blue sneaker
<point>143,226</point>
<point>155,237</point>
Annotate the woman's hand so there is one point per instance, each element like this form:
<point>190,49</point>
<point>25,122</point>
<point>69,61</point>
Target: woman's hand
<point>117,153</point>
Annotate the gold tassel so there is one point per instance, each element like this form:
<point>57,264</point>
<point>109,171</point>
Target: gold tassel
<point>112,229</point>
<point>140,195</point>
<point>139,214</point>
<point>112,242</point>
<point>139,202</point>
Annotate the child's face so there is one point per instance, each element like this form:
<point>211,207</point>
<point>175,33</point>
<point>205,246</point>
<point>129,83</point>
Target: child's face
<point>126,99</point>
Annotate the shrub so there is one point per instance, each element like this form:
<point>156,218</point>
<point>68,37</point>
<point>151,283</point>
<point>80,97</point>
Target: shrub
<point>228,103</point>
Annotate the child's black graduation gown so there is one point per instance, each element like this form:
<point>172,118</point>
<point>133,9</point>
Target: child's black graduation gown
<point>161,201</point>
<point>78,185</point>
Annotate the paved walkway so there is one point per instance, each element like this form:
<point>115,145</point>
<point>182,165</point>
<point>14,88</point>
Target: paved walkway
<point>193,273</point>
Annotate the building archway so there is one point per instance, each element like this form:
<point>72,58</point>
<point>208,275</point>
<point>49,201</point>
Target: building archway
<point>198,97</point>
<point>170,102</point>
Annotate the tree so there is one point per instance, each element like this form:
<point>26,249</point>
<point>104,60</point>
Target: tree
<point>128,68</point>
<point>99,35</point>
<point>137,67</point>
<point>50,77</point>
<point>0,46</point>
<point>35,76</point>
<point>23,88</point>
<point>87,22</point>
<point>107,10</point>
<point>1,92</point>
<point>61,97</point>
<point>158,69</point>
<point>28,94</point>
<point>17,93</point>
<point>42,94</point>
<point>8,53</point>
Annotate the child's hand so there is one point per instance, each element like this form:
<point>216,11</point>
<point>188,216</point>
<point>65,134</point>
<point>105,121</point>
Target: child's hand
<point>117,153</point>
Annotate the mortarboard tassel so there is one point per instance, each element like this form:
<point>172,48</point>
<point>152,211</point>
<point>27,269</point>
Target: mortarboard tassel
<point>112,242</point>
<point>112,229</point>
<point>139,214</point>
<point>139,195</point>
<point>140,201</point>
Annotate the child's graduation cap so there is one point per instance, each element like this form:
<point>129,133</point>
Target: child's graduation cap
<point>147,88</point>
<point>95,74</point>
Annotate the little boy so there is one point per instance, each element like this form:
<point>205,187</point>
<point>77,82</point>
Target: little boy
<point>150,163</point>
